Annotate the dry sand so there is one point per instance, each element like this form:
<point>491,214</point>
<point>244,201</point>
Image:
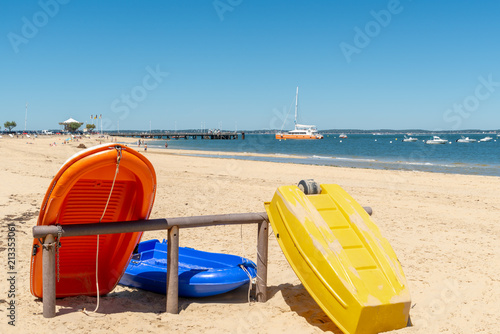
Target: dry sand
<point>444,228</point>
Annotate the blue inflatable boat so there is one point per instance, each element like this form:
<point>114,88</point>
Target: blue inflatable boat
<point>201,274</point>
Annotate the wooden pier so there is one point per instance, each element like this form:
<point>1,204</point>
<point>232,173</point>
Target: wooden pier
<point>181,135</point>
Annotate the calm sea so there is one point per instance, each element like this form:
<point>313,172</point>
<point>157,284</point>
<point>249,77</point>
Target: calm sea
<point>363,150</point>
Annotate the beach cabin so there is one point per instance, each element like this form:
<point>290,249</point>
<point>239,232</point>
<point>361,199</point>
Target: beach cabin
<point>67,122</point>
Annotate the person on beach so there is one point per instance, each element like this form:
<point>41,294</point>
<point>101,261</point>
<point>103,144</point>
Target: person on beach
<point>145,147</point>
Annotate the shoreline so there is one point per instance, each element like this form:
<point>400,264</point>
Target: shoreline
<point>455,168</point>
<point>458,168</point>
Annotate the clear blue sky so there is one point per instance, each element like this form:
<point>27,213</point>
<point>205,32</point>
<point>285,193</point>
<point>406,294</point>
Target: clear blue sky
<point>358,64</point>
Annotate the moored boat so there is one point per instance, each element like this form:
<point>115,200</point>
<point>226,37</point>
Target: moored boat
<point>436,140</point>
<point>486,139</point>
<point>301,131</point>
<point>466,140</point>
<point>409,139</point>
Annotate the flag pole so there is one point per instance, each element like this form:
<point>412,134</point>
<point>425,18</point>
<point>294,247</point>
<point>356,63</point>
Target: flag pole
<point>26,117</point>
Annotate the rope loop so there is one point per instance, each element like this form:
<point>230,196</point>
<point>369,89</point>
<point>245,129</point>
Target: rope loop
<point>118,160</point>
<point>249,280</point>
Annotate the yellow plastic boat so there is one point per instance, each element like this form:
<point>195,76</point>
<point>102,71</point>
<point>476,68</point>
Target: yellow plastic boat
<point>341,258</point>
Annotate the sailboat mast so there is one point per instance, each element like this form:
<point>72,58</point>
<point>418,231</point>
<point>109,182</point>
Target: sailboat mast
<point>296,99</point>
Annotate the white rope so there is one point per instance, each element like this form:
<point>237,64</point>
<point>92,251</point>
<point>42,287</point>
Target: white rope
<point>249,280</point>
<point>259,257</point>
<point>118,159</point>
<point>242,266</point>
<point>241,243</point>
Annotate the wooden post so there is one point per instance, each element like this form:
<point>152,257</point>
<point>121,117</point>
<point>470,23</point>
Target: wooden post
<point>262,247</point>
<point>173,270</point>
<point>49,277</point>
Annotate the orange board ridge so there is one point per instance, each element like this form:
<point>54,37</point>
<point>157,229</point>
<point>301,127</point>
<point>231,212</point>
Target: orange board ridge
<point>80,194</point>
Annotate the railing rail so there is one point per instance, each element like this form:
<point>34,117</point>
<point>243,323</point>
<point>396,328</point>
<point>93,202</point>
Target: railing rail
<point>49,232</point>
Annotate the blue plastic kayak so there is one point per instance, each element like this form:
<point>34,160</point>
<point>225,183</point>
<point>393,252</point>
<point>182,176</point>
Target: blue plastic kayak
<point>201,274</point>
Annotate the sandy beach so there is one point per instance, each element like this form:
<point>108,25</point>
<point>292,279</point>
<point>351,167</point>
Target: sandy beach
<point>444,228</point>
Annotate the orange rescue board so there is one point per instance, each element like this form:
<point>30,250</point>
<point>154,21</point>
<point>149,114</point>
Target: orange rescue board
<point>78,195</point>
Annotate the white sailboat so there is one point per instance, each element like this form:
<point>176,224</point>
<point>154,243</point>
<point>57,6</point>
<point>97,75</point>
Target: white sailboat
<point>301,131</point>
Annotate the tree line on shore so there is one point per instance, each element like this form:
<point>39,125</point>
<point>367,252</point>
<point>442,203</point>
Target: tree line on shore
<point>71,127</point>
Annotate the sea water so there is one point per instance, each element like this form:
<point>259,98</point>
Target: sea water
<point>360,150</point>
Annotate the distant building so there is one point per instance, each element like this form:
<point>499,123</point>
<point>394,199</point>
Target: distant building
<point>68,122</point>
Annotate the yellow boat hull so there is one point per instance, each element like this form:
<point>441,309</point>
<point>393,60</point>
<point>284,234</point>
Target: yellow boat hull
<point>341,258</point>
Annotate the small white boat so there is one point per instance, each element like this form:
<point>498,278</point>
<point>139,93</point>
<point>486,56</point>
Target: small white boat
<point>342,135</point>
<point>410,139</point>
<point>466,140</point>
<point>436,140</point>
<point>485,139</point>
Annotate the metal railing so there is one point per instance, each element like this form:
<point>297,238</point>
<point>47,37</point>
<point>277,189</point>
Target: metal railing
<point>49,232</point>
